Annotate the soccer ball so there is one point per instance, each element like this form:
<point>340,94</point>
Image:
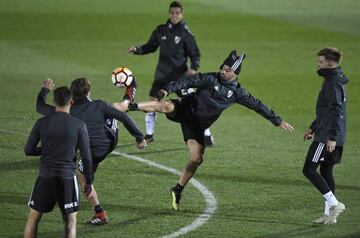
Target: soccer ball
<point>122,77</point>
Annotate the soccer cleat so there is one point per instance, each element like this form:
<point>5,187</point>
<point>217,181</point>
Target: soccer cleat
<point>324,220</point>
<point>99,219</point>
<point>176,196</point>
<point>209,140</point>
<point>133,107</point>
<point>330,221</point>
<point>335,212</point>
<point>149,138</point>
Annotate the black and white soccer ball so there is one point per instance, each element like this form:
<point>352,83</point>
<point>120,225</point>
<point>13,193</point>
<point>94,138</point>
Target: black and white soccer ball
<point>122,77</point>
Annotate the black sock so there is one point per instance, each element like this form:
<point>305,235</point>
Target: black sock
<point>98,209</point>
<point>179,188</point>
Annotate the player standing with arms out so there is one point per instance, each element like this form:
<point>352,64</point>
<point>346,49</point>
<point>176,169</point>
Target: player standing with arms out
<point>60,135</point>
<point>328,131</point>
<point>198,111</point>
<point>101,121</point>
<point>176,44</point>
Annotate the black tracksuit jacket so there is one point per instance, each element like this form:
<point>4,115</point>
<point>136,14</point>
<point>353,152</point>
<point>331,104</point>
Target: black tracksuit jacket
<point>60,135</point>
<point>214,95</point>
<point>176,44</point>
<point>330,122</point>
<point>94,114</point>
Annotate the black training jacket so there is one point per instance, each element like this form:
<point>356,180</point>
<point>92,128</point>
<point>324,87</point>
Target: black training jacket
<point>330,122</point>
<point>94,114</point>
<point>60,135</point>
<point>176,44</point>
<point>214,95</point>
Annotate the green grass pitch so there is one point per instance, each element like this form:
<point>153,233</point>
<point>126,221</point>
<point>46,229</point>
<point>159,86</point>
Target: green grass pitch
<point>254,171</point>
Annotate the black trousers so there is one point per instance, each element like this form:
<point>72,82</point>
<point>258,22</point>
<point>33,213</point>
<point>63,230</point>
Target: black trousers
<point>318,156</point>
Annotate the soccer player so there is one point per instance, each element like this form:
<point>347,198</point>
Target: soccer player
<point>101,120</point>
<point>59,135</point>
<point>199,110</point>
<point>176,44</point>
<point>328,131</point>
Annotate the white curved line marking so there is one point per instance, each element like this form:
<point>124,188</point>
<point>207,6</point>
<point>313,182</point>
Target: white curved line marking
<point>209,197</point>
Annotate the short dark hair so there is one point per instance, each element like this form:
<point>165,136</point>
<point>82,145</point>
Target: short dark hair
<point>62,96</point>
<point>176,4</point>
<point>80,88</point>
<point>331,53</point>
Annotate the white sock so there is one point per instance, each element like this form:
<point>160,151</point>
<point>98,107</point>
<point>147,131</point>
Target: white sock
<point>327,208</point>
<point>207,132</point>
<point>331,199</point>
<point>150,119</point>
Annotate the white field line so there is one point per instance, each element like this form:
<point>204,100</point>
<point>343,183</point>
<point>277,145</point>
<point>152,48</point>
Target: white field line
<point>209,197</point>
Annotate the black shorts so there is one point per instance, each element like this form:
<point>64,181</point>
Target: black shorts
<point>183,115</point>
<point>49,191</point>
<point>318,154</point>
<point>100,153</point>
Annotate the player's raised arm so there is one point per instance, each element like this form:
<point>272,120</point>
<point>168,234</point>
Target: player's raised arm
<point>41,106</point>
<point>148,47</point>
<point>193,81</point>
<point>246,99</point>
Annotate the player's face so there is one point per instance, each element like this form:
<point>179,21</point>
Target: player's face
<point>226,73</point>
<point>176,15</point>
<point>323,63</point>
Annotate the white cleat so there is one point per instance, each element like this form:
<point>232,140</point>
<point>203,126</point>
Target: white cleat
<point>321,220</point>
<point>334,213</point>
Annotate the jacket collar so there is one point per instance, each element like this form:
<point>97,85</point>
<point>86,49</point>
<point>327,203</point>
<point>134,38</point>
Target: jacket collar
<point>174,26</point>
<point>82,100</point>
<point>331,71</point>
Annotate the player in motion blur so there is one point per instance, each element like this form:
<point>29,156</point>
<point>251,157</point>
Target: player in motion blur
<point>101,121</point>
<point>328,130</point>
<point>176,44</point>
<point>198,111</point>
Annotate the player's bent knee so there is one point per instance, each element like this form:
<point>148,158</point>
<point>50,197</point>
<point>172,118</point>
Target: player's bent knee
<point>197,160</point>
<point>307,171</point>
<point>168,107</point>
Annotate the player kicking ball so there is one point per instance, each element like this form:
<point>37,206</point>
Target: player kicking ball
<point>198,111</point>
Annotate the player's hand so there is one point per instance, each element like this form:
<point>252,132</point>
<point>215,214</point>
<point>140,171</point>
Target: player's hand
<point>89,190</point>
<point>191,72</point>
<point>132,50</point>
<point>286,126</point>
<point>309,134</point>
<point>330,146</point>
<point>162,93</point>
<point>142,144</point>
<point>48,84</point>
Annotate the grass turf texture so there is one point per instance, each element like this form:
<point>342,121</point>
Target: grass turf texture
<point>254,170</point>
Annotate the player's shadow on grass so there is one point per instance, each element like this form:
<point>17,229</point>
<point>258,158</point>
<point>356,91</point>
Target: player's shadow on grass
<point>267,180</point>
<point>20,165</point>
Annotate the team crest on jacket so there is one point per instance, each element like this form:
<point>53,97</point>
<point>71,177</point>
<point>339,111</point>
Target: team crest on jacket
<point>177,39</point>
<point>163,37</point>
<point>230,93</point>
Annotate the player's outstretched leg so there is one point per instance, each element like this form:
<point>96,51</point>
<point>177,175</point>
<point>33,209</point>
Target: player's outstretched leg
<point>196,158</point>
<point>152,106</point>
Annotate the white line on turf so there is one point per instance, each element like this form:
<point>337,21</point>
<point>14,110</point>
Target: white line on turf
<point>209,197</point>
